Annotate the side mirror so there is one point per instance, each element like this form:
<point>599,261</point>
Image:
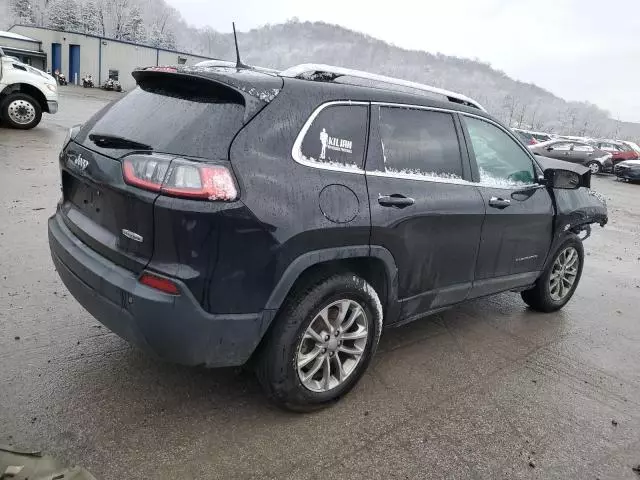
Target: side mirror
<point>564,179</point>
<point>549,149</point>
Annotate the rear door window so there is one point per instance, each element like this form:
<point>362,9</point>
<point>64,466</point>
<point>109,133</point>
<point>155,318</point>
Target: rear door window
<point>583,148</point>
<point>337,136</point>
<point>561,147</point>
<point>188,118</point>
<point>420,142</point>
<point>608,147</point>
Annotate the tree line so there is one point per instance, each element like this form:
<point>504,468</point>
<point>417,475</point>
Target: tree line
<point>130,20</point>
<point>153,22</point>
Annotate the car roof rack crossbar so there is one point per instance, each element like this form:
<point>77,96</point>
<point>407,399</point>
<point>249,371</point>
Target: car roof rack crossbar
<point>320,72</point>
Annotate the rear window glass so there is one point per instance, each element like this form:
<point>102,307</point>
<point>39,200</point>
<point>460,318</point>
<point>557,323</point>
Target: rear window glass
<point>420,142</point>
<point>198,121</point>
<point>541,138</point>
<point>337,136</point>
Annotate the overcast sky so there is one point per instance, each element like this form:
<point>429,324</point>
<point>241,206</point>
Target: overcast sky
<point>577,49</point>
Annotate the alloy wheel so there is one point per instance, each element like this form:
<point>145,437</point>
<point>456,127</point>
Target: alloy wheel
<point>332,346</point>
<point>563,273</point>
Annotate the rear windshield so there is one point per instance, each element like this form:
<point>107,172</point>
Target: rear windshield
<point>184,117</point>
<point>541,138</point>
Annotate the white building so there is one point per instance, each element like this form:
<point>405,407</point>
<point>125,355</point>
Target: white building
<point>27,50</point>
<point>77,54</point>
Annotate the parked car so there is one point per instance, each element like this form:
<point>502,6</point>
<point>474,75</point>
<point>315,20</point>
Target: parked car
<point>283,220</point>
<point>575,152</point>
<point>541,137</point>
<point>25,92</point>
<point>526,137</point>
<point>619,150</point>
<point>633,145</point>
<point>628,170</point>
<point>531,138</point>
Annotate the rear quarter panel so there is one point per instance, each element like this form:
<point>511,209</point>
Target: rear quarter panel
<point>283,195</point>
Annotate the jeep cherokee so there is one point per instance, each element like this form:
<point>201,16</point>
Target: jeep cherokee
<point>217,215</point>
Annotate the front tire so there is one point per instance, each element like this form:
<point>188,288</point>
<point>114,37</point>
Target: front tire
<point>21,111</point>
<point>321,343</point>
<point>595,167</point>
<point>559,281</point>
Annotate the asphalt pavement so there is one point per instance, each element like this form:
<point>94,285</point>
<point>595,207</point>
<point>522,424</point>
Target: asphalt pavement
<point>488,389</point>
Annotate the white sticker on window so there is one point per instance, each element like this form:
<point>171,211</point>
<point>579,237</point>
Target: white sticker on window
<point>333,143</point>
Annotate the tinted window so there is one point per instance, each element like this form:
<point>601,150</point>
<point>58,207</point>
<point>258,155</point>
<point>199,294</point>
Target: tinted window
<point>200,122</point>
<point>501,160</point>
<point>419,142</point>
<point>337,136</point>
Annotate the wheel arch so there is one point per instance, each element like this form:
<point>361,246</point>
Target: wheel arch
<point>27,89</point>
<point>373,263</point>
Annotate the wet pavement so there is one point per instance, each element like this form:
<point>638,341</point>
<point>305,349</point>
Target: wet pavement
<point>488,389</point>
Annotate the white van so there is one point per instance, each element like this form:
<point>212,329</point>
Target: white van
<point>25,92</point>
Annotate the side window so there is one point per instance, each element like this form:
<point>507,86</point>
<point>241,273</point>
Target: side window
<point>337,136</point>
<point>501,161</point>
<point>561,147</point>
<point>583,148</point>
<point>420,142</point>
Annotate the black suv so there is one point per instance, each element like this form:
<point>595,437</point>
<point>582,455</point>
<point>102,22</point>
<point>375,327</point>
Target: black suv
<point>220,216</point>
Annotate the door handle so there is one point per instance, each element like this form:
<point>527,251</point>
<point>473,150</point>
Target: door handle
<point>500,203</point>
<point>395,200</point>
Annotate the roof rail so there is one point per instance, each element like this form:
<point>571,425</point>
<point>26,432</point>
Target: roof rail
<point>328,72</point>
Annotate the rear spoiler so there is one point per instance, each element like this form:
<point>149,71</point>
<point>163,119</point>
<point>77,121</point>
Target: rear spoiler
<point>256,88</point>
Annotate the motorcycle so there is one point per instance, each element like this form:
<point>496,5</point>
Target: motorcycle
<point>87,81</point>
<point>112,84</point>
<point>60,78</point>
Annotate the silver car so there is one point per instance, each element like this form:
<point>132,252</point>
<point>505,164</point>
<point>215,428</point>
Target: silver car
<point>572,151</point>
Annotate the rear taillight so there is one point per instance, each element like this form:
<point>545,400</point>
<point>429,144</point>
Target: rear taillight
<point>180,178</point>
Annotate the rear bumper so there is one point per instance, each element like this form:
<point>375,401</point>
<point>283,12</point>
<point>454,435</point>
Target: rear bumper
<point>171,327</point>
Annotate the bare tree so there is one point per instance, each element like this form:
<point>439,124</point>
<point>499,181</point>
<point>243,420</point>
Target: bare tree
<point>119,15</point>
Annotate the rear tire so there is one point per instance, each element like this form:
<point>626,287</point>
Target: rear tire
<point>301,334</point>
<point>595,167</point>
<point>558,282</point>
<point>20,111</point>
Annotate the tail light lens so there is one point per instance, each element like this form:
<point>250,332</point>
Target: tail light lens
<point>180,178</point>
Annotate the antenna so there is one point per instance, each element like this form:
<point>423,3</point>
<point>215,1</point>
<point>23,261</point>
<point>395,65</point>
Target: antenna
<point>239,63</point>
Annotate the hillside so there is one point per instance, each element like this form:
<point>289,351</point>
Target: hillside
<point>294,42</point>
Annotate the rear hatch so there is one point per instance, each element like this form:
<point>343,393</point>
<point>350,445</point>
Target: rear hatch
<point>174,120</point>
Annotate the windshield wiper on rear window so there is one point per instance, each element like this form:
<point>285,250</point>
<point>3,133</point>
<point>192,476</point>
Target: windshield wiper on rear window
<point>113,141</point>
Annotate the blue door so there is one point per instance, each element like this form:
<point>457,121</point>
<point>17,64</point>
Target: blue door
<point>56,57</point>
<point>74,63</point>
